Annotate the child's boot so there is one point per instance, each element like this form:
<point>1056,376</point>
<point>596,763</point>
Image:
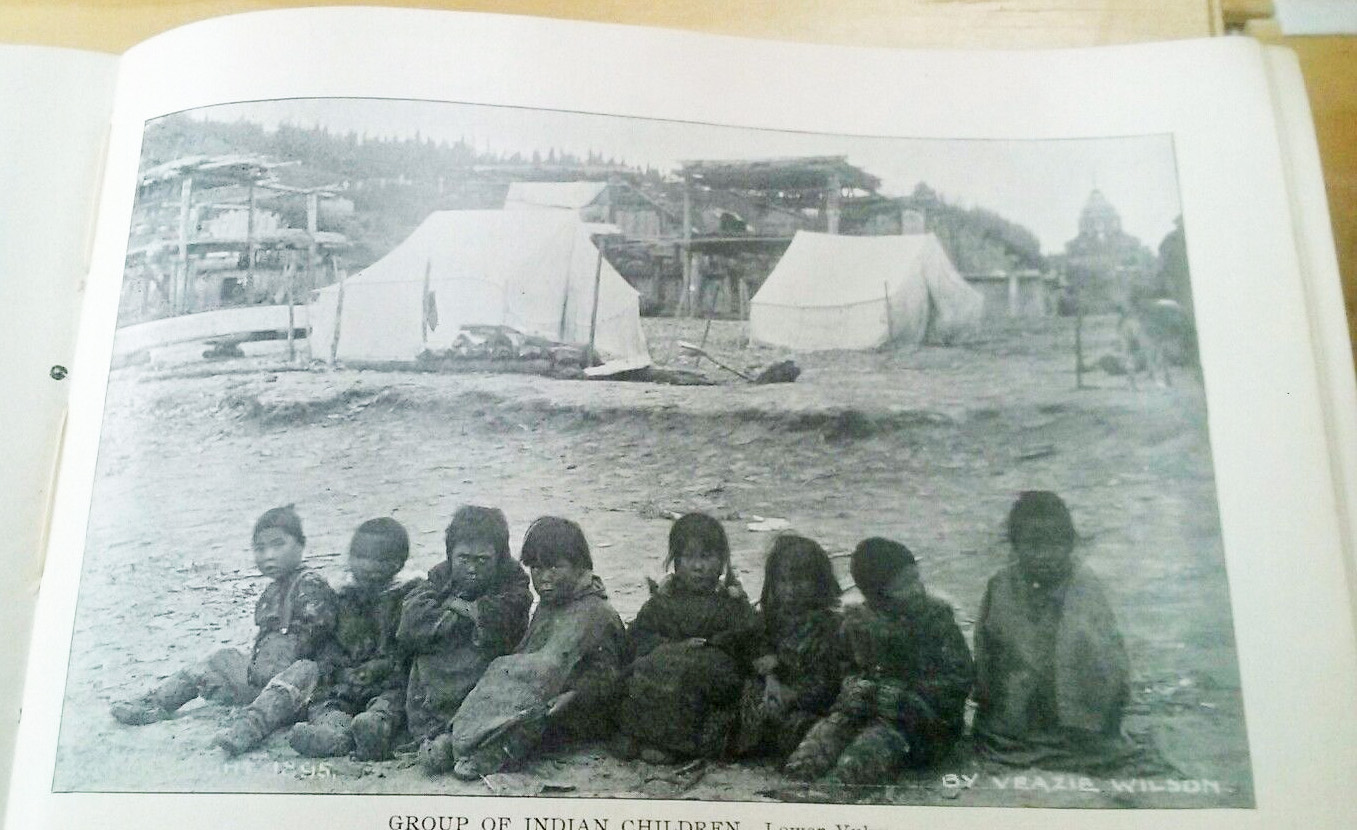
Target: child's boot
<point>507,746</point>
<point>372,734</point>
<point>751,721</point>
<point>325,736</point>
<point>160,703</point>
<point>717,733</point>
<point>821,747</point>
<point>625,747</point>
<point>437,754</point>
<point>243,733</point>
<point>874,757</point>
<point>279,704</point>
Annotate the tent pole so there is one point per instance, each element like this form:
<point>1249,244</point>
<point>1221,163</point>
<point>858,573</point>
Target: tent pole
<point>886,297</point>
<point>593,314</point>
<point>565,311</point>
<point>424,305</point>
<point>339,310</point>
<point>833,203</point>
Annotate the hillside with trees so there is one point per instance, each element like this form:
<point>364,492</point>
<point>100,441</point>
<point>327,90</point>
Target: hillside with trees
<point>394,183</point>
<point>978,240</point>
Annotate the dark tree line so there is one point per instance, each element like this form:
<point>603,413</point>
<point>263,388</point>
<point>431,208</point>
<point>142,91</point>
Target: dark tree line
<point>338,157</point>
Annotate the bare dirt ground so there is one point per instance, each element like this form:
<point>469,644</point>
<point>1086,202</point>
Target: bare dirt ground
<point>927,446</point>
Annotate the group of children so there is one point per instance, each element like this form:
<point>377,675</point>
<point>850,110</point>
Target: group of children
<point>460,666</point>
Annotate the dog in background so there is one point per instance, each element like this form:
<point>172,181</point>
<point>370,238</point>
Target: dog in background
<point>1154,333</point>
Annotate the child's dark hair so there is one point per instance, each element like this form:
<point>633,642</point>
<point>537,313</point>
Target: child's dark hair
<point>551,540</point>
<point>473,523</point>
<point>284,518</point>
<point>1046,507</point>
<point>395,541</point>
<point>792,553</point>
<point>700,528</point>
<point>875,563</point>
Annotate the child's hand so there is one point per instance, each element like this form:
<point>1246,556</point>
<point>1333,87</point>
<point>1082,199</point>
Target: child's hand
<point>462,608</point>
<point>695,641</point>
<point>776,696</point>
<point>372,671</point>
<point>765,664</point>
<point>891,700</point>
<point>422,592</point>
<point>858,698</point>
<point>560,702</point>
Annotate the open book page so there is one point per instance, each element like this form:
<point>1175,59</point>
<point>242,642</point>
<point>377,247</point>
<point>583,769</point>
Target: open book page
<point>534,266</point>
<point>54,114</point>
<point>1315,246</point>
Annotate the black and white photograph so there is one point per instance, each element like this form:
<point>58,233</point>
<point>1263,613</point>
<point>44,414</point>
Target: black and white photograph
<point>499,451</point>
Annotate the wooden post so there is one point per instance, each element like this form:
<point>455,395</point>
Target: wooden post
<point>249,241</point>
<point>179,285</point>
<point>1078,338</point>
<point>698,353</point>
<point>339,310</point>
<point>695,308</point>
<point>744,298</point>
<point>833,203</point>
<point>190,292</point>
<point>312,224</point>
<point>686,304</point>
<point>289,274</point>
<point>424,305</point>
<point>590,356</point>
<point>886,296</point>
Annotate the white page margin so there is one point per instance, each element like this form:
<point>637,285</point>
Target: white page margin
<point>1298,660</point>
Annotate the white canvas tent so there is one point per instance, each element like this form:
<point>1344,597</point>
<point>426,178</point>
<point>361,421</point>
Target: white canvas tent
<point>860,292</point>
<point>530,270</point>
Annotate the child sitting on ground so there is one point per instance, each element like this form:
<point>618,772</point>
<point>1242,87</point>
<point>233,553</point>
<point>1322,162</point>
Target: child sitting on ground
<point>799,659</point>
<point>904,700</point>
<point>1052,675</point>
<point>365,706</point>
<point>561,683</point>
<point>472,609</point>
<point>683,690</point>
<point>293,648</point>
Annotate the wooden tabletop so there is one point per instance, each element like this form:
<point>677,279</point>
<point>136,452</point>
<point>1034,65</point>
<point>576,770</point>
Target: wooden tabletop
<point>1330,68</point>
<point>114,25</point>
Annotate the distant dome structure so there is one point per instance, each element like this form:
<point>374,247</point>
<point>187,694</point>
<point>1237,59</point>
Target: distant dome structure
<point>1098,219</point>
<point>1105,262</point>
